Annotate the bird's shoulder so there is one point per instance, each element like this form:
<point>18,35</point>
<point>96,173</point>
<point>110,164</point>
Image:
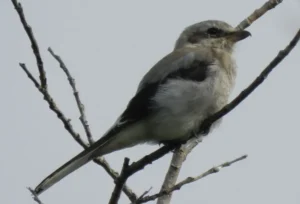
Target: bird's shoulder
<point>181,61</point>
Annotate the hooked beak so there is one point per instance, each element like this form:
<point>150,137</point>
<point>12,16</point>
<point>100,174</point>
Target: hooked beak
<point>238,35</point>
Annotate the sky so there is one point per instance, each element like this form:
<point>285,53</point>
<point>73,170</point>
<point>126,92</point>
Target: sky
<point>108,46</point>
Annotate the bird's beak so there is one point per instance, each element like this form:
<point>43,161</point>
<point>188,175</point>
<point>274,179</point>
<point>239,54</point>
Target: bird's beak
<point>238,35</point>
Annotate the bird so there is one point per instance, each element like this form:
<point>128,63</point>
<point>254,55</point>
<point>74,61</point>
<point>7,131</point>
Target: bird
<point>173,98</point>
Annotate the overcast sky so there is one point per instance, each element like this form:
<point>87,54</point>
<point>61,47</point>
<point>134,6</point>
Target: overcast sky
<point>108,46</point>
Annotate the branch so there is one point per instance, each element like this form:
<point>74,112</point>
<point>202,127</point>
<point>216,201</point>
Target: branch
<point>258,13</point>
<point>34,45</point>
<point>189,180</point>
<point>177,160</point>
<point>129,170</point>
<point>120,181</point>
<point>80,106</point>
<point>53,106</point>
<point>55,109</point>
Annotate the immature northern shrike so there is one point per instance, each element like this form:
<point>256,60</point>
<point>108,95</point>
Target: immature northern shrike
<point>181,90</point>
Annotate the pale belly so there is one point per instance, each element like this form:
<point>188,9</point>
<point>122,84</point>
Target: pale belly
<point>181,109</point>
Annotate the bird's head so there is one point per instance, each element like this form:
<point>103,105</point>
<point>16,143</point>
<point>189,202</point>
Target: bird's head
<point>211,33</point>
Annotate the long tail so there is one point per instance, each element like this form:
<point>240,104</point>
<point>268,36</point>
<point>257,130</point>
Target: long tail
<point>78,161</point>
<point>72,165</point>
<point>115,139</point>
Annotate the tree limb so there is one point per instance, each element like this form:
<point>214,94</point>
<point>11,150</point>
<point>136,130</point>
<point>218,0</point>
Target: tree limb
<point>34,44</point>
<point>189,180</point>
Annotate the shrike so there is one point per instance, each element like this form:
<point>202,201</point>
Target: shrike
<point>181,90</point>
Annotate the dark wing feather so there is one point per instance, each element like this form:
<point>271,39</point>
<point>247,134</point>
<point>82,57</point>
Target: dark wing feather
<point>140,105</point>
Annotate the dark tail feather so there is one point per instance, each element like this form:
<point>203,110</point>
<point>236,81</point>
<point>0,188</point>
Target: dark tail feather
<point>97,149</point>
<point>72,165</point>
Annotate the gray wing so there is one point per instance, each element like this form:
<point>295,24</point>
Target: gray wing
<point>191,64</point>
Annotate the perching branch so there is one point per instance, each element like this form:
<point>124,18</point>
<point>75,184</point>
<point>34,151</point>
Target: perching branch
<point>189,180</point>
<point>53,106</point>
<point>179,156</point>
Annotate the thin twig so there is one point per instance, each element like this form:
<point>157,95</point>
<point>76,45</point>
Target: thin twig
<point>258,13</point>
<point>52,105</point>
<point>80,105</point>
<point>144,194</point>
<point>35,196</point>
<point>30,76</point>
<point>34,44</point>
<point>189,180</point>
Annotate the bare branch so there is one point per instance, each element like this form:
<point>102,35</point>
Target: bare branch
<point>177,160</point>
<point>35,196</point>
<point>34,45</point>
<point>129,170</point>
<point>80,105</point>
<point>52,105</point>
<point>189,180</point>
<point>258,13</point>
<point>144,194</point>
<point>30,76</point>
<point>102,162</point>
<point>120,181</point>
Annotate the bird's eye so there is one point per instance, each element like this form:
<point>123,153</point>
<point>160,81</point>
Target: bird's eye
<point>215,32</point>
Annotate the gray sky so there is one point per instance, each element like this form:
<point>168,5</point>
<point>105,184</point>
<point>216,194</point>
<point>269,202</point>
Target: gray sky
<point>108,46</point>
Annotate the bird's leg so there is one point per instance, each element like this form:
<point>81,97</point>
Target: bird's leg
<point>204,128</point>
<point>173,143</point>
